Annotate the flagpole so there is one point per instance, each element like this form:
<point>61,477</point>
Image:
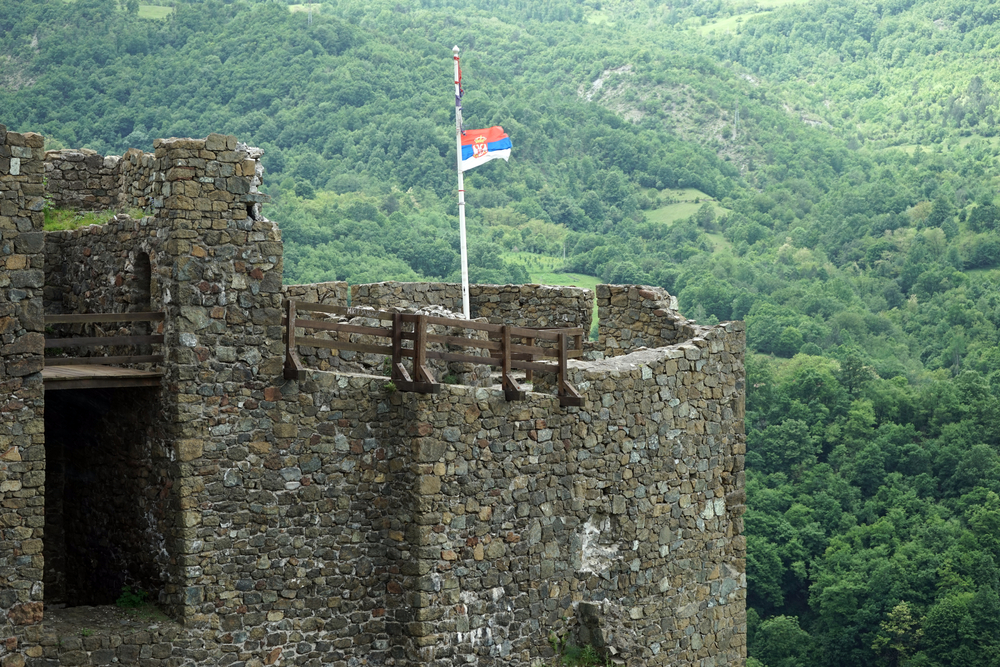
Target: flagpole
<point>461,187</point>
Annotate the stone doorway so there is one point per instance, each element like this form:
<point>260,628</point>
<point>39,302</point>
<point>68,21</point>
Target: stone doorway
<point>107,496</point>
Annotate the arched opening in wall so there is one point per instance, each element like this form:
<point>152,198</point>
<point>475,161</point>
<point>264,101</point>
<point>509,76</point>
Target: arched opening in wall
<point>142,278</point>
<point>107,496</point>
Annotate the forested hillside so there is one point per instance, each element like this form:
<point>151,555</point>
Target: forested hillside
<point>826,171</point>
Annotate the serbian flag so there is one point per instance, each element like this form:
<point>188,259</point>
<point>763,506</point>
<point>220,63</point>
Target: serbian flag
<point>479,146</point>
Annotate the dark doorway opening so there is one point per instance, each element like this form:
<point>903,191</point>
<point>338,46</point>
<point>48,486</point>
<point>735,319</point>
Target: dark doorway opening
<point>107,496</point>
<point>141,283</point>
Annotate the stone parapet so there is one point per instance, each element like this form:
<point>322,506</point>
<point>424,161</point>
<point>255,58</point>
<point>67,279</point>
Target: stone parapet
<point>84,180</point>
<point>332,293</point>
<point>536,306</point>
<point>139,181</point>
<point>630,317</point>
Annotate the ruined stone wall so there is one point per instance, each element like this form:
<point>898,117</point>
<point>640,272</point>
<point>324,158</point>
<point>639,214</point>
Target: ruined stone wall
<point>538,306</point>
<point>636,316</point>
<point>305,542</point>
<point>109,268</point>
<point>633,501</point>
<point>81,179</point>
<point>22,455</point>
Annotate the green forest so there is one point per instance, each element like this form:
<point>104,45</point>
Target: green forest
<point>825,170</point>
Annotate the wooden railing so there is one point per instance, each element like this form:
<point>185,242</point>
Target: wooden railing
<point>503,351</point>
<point>103,341</point>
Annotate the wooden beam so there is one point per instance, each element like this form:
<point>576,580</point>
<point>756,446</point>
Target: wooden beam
<point>571,398</point>
<point>320,325</point>
<point>89,318</point>
<point>418,387</point>
<point>506,354</point>
<point>534,366</point>
<point>464,342</point>
<point>293,369</point>
<point>401,373</point>
<point>346,311</point>
<point>512,391</point>
<point>529,374</point>
<point>101,341</point>
<point>420,370</point>
<point>88,361</point>
<point>463,324</point>
<point>398,370</point>
<point>101,383</point>
<point>567,393</point>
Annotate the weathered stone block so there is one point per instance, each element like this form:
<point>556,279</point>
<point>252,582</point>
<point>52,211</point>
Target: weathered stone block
<point>428,485</point>
<point>189,449</point>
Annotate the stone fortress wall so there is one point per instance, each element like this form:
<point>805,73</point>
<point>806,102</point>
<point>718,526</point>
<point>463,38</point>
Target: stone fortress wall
<point>335,522</point>
<point>22,404</point>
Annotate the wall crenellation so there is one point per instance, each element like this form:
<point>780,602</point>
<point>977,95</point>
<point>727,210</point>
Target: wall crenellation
<point>333,520</point>
<point>81,179</point>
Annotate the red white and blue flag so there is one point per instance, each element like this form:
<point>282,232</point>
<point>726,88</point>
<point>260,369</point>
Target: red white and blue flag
<point>479,146</point>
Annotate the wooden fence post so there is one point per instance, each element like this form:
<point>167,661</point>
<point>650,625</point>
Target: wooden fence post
<point>420,370</point>
<point>398,370</point>
<point>293,367</point>
<point>512,391</point>
<point>567,394</point>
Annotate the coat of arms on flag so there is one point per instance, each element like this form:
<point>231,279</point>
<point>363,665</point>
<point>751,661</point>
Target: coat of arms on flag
<point>479,146</point>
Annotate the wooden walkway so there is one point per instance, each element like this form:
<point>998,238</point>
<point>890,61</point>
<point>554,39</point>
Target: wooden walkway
<point>97,377</point>
<point>100,372</point>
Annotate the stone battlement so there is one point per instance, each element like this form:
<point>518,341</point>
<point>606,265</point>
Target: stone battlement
<point>334,521</point>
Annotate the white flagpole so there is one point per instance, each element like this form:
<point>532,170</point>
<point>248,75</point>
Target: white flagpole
<point>461,190</point>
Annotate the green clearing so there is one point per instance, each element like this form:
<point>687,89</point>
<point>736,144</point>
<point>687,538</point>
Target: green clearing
<point>534,263</point>
<point>774,4</point>
<point>599,17</point>
<point>543,270</point>
<point>154,11</point>
<point>719,242</point>
<point>673,212</point>
<point>722,26</point>
<point>730,23</point>
<point>61,219</point>
<point>305,7</point>
<point>565,279</point>
<point>961,142</point>
<point>684,204</point>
